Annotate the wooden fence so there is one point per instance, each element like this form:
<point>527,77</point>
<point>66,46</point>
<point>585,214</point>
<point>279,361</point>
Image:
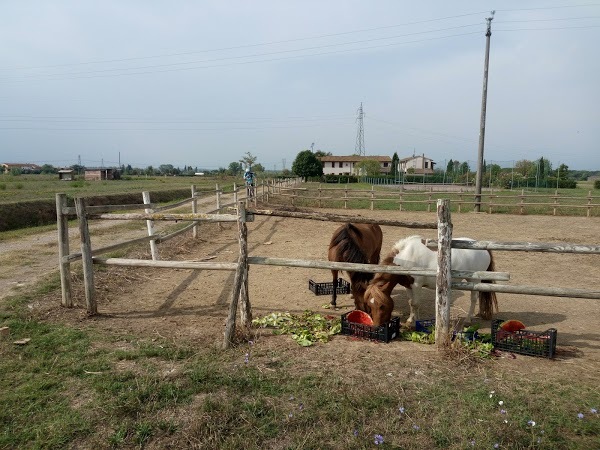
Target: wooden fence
<point>523,203</point>
<point>239,292</point>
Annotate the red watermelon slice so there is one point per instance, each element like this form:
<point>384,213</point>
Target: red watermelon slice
<point>512,325</point>
<point>361,317</point>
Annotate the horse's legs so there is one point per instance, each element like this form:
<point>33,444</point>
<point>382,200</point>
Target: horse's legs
<point>474,297</point>
<point>334,292</point>
<point>414,301</point>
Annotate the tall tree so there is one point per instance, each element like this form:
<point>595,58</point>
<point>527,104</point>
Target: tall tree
<point>395,161</point>
<point>450,166</point>
<point>368,167</point>
<point>307,164</point>
<point>248,160</point>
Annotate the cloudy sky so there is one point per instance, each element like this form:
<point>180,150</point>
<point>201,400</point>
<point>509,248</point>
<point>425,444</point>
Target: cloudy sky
<point>201,83</point>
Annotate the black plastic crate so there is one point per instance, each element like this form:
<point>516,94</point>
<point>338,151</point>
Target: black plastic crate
<point>526,342</point>
<point>383,333</point>
<point>343,287</point>
<point>427,326</point>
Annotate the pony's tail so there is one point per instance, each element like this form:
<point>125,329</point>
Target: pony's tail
<point>488,303</point>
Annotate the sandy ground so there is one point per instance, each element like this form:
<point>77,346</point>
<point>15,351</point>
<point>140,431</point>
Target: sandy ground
<point>191,306</point>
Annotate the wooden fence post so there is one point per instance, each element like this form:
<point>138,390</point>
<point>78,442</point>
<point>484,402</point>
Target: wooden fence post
<point>443,290</point>
<point>235,194</point>
<point>218,191</point>
<point>589,199</point>
<point>194,211</point>
<point>346,197</point>
<point>150,226</point>
<point>372,196</point>
<point>319,195</point>
<point>240,274</point>
<point>522,200</point>
<point>86,257</point>
<point>63,250</point>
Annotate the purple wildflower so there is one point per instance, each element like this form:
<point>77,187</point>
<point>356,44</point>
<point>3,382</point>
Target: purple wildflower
<point>416,427</point>
<point>472,443</point>
<point>580,416</point>
<point>246,358</point>
<point>594,411</point>
<point>300,406</point>
<point>496,445</point>
<point>531,423</point>
<point>401,410</point>
<point>378,439</point>
<point>502,411</point>
<point>355,432</point>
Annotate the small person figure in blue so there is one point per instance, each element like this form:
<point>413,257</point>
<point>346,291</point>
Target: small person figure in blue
<point>249,178</point>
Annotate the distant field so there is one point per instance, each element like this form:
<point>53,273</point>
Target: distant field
<point>43,187</point>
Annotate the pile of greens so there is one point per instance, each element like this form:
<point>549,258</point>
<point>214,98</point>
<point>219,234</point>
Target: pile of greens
<point>468,337</point>
<point>305,329</point>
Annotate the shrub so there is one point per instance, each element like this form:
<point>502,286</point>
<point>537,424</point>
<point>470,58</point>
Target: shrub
<point>597,184</point>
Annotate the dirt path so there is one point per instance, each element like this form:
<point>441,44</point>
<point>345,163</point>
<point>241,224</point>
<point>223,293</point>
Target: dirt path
<point>24,261</point>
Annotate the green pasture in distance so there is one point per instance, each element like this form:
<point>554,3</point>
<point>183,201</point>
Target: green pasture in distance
<point>505,200</point>
<point>22,188</point>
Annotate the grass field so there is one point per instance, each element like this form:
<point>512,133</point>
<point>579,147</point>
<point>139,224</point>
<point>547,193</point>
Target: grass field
<point>71,387</point>
<point>389,197</point>
<point>38,187</point>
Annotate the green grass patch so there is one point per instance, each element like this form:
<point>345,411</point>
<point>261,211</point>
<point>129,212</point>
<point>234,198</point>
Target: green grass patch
<point>63,389</point>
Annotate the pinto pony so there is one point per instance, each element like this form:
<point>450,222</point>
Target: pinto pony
<point>412,253</point>
<point>355,243</point>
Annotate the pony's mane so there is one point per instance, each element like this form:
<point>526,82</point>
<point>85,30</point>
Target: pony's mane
<point>399,245</point>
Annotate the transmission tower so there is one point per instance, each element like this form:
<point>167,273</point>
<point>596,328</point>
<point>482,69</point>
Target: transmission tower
<point>360,133</point>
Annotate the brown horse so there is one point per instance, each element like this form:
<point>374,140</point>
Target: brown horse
<point>412,253</point>
<point>355,243</point>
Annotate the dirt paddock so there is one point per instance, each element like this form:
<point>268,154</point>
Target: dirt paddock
<point>191,306</point>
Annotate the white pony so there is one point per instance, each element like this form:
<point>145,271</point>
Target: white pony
<point>412,253</point>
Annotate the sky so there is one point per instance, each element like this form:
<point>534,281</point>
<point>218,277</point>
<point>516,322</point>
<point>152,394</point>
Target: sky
<point>201,83</point>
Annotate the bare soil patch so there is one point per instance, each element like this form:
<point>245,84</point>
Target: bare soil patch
<point>191,306</point>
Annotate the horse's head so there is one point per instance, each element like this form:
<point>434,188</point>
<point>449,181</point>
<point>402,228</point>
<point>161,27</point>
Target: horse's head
<point>378,304</point>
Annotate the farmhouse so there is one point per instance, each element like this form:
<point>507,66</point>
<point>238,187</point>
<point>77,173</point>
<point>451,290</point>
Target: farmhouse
<point>98,174</point>
<point>416,164</point>
<point>345,165</point>
<point>23,167</point>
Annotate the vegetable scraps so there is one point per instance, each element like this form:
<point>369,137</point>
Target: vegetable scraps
<point>305,329</point>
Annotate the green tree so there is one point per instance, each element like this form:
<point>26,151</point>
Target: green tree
<point>166,169</point>
<point>525,167</point>
<point>562,172</point>
<point>48,169</point>
<point>319,153</point>
<point>248,160</point>
<point>450,166</point>
<point>368,167</point>
<point>395,161</point>
<point>235,168</point>
<point>258,168</point>
<point>307,164</point>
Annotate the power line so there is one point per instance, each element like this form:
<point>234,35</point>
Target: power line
<point>237,47</point>
<point>233,58</point>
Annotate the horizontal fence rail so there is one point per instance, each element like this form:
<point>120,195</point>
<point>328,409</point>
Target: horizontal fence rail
<point>372,268</point>
<point>165,264</point>
<point>521,246</point>
<point>528,290</point>
<point>340,218</point>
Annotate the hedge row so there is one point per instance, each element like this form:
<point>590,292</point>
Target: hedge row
<point>14,216</point>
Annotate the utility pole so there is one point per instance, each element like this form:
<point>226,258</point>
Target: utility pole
<point>482,121</point>
<point>312,147</point>
<point>360,133</point>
